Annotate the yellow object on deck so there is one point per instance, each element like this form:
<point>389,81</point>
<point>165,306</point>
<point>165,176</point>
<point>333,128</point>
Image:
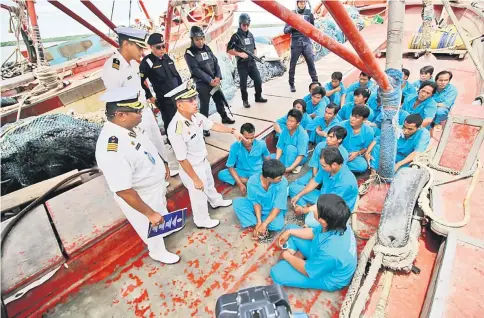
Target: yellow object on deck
<point>446,37</point>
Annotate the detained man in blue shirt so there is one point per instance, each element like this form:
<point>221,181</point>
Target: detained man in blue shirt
<point>317,103</point>
<point>407,88</point>
<point>245,159</point>
<point>335,89</point>
<point>334,178</point>
<point>445,96</point>
<point>323,257</point>
<point>321,125</point>
<point>423,103</point>
<point>364,81</point>
<point>414,141</point>
<point>266,203</point>
<point>306,121</point>
<point>360,98</point>
<point>360,135</point>
<point>426,73</point>
<point>376,124</point>
<point>292,146</point>
<point>335,138</point>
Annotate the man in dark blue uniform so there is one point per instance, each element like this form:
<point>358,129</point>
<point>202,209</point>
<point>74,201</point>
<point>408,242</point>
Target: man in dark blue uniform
<point>301,44</point>
<point>206,73</point>
<point>160,70</point>
<point>246,65</point>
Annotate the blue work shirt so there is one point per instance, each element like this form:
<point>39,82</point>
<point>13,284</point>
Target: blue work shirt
<point>426,109</point>
<point>274,197</point>
<point>241,158</point>
<point>408,90</point>
<point>417,142</point>
<point>350,97</point>
<point>299,139</point>
<point>321,122</point>
<point>332,258</point>
<point>336,97</point>
<point>316,109</point>
<point>314,162</point>
<point>343,183</point>
<point>418,82</point>
<point>359,141</point>
<point>447,96</point>
<point>306,121</point>
<point>347,109</point>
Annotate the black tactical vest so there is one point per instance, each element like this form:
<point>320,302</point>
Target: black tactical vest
<point>247,41</point>
<point>205,59</point>
<point>298,37</point>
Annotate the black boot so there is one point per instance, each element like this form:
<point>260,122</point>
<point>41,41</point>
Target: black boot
<point>206,133</point>
<point>227,120</point>
<point>246,104</point>
<point>260,99</point>
<point>293,88</point>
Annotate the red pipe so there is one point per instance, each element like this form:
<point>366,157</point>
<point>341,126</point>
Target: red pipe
<point>311,31</point>
<point>67,11</point>
<point>142,5</point>
<point>99,14</point>
<point>337,10</point>
<point>168,22</point>
<point>32,13</point>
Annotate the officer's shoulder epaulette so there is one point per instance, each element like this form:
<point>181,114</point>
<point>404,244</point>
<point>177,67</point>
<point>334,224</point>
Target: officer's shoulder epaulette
<point>116,63</point>
<point>179,127</point>
<point>189,52</point>
<point>113,144</point>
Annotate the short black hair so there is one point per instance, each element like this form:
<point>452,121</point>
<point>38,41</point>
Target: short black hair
<point>334,106</point>
<point>406,72</point>
<point>318,90</point>
<point>364,74</point>
<point>361,111</point>
<point>339,132</point>
<point>428,69</point>
<point>302,102</point>
<point>296,114</point>
<point>414,119</point>
<point>442,73</point>
<point>331,155</point>
<point>314,83</point>
<point>334,211</point>
<point>273,168</point>
<point>337,76</point>
<point>247,127</point>
<point>429,83</point>
<point>365,92</point>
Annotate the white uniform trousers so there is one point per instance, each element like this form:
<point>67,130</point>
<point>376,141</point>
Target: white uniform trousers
<point>199,198</point>
<point>156,199</point>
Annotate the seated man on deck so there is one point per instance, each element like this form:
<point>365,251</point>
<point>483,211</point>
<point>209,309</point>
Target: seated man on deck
<point>307,98</point>
<point>335,138</point>
<point>245,158</point>
<point>407,88</point>
<point>414,141</point>
<point>335,89</point>
<point>360,135</point>
<point>266,203</point>
<point>334,178</point>
<point>321,125</point>
<point>292,146</point>
<point>364,81</point>
<point>317,103</point>
<point>426,73</point>
<point>306,121</point>
<point>423,103</point>
<point>445,96</point>
<point>323,257</point>
<point>360,98</point>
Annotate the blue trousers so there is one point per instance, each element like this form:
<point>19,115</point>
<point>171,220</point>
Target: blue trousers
<point>244,210</point>
<point>284,274</point>
<point>359,164</point>
<point>311,198</point>
<point>304,180</point>
<point>225,176</point>
<point>441,115</point>
<point>289,155</point>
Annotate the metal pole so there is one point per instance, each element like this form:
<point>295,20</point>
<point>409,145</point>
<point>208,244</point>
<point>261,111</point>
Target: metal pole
<point>338,11</point>
<point>98,14</point>
<point>396,16</point>
<point>67,11</point>
<point>142,5</point>
<point>168,22</point>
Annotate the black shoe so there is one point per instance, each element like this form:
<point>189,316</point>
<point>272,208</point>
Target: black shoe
<point>293,88</point>
<point>246,104</point>
<point>260,99</point>
<point>206,133</point>
<point>227,120</point>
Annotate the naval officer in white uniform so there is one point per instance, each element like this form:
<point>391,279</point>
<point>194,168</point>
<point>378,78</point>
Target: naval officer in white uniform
<point>122,70</point>
<point>134,169</point>
<point>186,135</point>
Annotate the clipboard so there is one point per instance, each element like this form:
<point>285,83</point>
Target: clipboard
<point>174,222</point>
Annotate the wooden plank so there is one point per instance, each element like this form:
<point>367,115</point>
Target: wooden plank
<point>30,193</point>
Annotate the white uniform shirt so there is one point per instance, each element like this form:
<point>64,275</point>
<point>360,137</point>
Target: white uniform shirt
<point>186,137</point>
<point>131,163</point>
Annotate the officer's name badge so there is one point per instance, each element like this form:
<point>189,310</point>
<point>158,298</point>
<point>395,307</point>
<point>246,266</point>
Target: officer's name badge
<point>116,63</point>
<point>247,41</point>
<point>113,144</point>
<point>204,56</point>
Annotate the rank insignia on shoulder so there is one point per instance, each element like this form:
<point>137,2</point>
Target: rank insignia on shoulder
<point>179,127</point>
<point>116,63</point>
<point>113,144</point>
<point>187,123</point>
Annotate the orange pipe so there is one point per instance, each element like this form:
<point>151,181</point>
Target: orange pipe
<point>142,5</point>
<point>168,22</point>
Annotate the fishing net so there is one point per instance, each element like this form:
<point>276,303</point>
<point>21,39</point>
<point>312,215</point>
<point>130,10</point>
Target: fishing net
<point>39,148</point>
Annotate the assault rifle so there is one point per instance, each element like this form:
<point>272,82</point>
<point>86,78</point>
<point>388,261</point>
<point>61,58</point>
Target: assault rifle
<point>219,89</point>
<point>249,53</point>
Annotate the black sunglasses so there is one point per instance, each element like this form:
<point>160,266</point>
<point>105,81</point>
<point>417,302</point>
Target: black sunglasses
<point>159,47</point>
